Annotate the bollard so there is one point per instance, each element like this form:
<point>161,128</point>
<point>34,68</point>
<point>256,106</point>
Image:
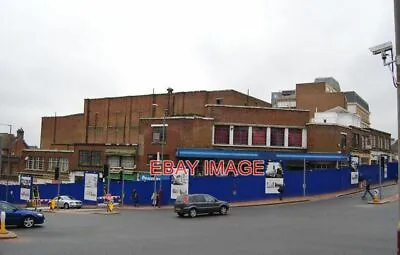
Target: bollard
<point>52,204</point>
<point>3,223</point>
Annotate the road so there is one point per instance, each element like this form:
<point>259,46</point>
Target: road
<point>345,225</point>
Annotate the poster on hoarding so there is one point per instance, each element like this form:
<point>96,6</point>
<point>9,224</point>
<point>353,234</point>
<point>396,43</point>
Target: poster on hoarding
<point>25,187</point>
<point>179,183</point>
<point>273,177</point>
<point>354,178</point>
<point>91,180</point>
<point>354,164</point>
<point>385,171</point>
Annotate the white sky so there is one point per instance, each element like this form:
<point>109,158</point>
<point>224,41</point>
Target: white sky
<point>53,54</point>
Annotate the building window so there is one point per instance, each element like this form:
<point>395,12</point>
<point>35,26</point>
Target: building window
<point>126,162</point>
<point>63,164</point>
<point>30,163</point>
<point>219,100</point>
<point>52,164</point>
<point>259,135</point>
<point>343,141</point>
<point>89,158</point>
<point>277,136</point>
<point>35,163</point>
<point>221,135</point>
<point>295,137</point>
<point>356,141</point>
<point>159,134</point>
<point>240,135</point>
<point>362,143</point>
<point>113,161</point>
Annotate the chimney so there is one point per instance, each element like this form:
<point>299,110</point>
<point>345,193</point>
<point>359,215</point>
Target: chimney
<point>20,133</point>
<point>170,90</point>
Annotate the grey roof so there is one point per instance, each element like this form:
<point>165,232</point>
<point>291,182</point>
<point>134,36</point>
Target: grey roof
<point>330,81</point>
<point>353,97</point>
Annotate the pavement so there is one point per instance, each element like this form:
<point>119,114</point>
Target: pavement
<point>341,225</point>
<point>8,235</point>
<point>267,202</point>
<point>286,200</point>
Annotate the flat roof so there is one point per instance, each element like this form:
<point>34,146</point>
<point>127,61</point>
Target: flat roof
<point>48,150</point>
<point>255,107</point>
<point>177,117</point>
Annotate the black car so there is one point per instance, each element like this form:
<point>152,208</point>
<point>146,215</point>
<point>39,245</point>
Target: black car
<point>195,204</point>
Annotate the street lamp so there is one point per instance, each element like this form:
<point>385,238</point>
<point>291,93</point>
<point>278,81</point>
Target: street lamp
<point>162,144</point>
<point>163,141</point>
<point>383,50</point>
<point>8,157</point>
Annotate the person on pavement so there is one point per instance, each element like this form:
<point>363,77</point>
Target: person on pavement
<point>135,197</point>
<point>367,190</point>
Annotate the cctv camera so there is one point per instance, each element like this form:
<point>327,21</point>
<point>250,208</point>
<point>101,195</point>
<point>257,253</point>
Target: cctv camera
<point>381,48</point>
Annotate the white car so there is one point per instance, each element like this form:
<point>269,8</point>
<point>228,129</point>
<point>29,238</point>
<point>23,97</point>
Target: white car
<point>67,202</point>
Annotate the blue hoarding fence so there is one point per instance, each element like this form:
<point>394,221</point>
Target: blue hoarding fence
<point>230,188</point>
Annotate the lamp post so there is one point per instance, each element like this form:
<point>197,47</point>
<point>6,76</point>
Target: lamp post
<point>8,157</point>
<point>163,141</point>
<point>162,144</point>
<point>397,35</point>
<point>386,50</point>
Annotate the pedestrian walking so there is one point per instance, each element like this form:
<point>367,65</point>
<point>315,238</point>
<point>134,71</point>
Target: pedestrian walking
<point>367,190</point>
<point>135,198</point>
<point>12,196</point>
<point>158,198</point>
<point>281,189</point>
<point>154,199</point>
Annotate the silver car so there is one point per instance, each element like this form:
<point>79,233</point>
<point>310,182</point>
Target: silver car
<point>67,202</point>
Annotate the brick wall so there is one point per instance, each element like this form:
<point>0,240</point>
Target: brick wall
<point>179,133</point>
<point>116,120</point>
<point>313,97</point>
<point>62,130</point>
<point>326,138</point>
<point>257,115</point>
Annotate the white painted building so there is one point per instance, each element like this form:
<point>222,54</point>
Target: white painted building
<point>338,116</point>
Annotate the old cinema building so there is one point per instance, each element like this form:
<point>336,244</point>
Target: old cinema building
<point>127,132</point>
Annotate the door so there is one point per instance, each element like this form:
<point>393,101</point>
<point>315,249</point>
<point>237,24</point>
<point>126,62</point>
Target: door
<point>211,203</point>
<point>200,203</point>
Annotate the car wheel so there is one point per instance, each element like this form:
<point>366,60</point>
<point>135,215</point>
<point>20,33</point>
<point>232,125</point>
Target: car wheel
<point>192,213</point>
<point>181,214</point>
<point>223,210</point>
<point>28,222</point>
<point>66,206</point>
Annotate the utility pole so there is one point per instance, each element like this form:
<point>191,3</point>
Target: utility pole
<point>162,147</point>
<point>9,159</point>
<point>397,58</point>
<point>122,186</point>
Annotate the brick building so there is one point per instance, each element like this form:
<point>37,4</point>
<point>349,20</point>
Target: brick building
<point>129,131</point>
<point>340,117</point>
<point>11,149</point>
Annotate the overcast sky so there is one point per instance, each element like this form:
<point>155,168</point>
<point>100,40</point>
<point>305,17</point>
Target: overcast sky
<point>53,54</point>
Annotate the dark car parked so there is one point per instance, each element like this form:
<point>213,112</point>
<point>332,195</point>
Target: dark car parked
<point>21,217</point>
<point>195,204</point>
